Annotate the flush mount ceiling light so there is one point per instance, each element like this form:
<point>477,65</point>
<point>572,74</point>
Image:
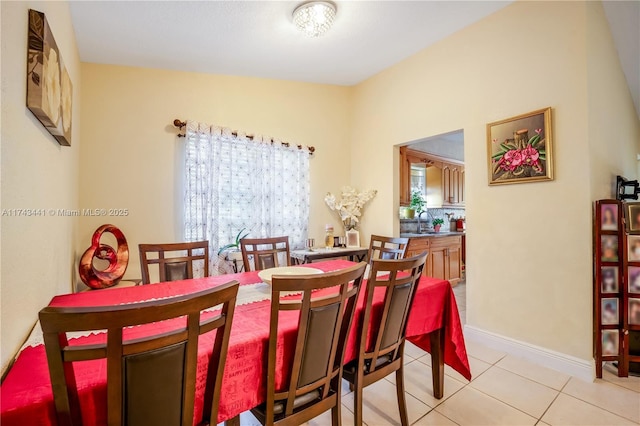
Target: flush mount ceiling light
<point>314,18</point>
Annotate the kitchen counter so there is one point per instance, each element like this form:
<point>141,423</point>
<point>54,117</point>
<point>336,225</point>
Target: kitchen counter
<point>431,234</point>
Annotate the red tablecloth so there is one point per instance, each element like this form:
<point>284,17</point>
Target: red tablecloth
<point>26,397</point>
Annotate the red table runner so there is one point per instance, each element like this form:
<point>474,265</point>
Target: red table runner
<point>26,397</point>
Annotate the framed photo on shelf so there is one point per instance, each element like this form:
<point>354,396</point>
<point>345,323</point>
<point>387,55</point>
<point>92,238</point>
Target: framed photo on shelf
<point>609,277</point>
<point>634,279</point>
<point>353,238</point>
<point>609,312</point>
<point>609,246</point>
<point>633,217</point>
<point>609,217</point>
<point>634,311</point>
<point>609,342</point>
<point>633,241</point>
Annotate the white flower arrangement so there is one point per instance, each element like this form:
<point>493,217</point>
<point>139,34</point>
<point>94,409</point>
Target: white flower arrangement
<point>350,206</point>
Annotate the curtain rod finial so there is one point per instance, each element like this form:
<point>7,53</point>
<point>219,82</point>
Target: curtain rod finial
<point>179,123</point>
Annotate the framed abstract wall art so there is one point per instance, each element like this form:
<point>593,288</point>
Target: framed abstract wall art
<point>520,149</point>
<point>49,88</point>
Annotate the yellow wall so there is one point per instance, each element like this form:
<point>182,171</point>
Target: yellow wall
<point>38,258</point>
<point>132,157</point>
<point>529,245</point>
<point>614,133</point>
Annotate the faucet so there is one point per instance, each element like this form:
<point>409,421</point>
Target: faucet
<point>420,223</point>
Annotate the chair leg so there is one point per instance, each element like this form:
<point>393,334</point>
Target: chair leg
<point>336,414</point>
<point>402,403</point>
<point>357,403</point>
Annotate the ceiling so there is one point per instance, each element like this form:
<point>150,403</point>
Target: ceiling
<point>448,145</point>
<point>258,38</point>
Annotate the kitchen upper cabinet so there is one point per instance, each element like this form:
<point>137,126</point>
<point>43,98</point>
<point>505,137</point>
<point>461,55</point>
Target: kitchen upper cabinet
<point>409,157</point>
<point>452,184</point>
<point>445,190</point>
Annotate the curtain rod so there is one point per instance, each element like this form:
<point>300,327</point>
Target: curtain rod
<point>181,124</point>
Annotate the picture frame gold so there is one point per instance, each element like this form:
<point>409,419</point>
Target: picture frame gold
<point>520,149</point>
<point>633,218</point>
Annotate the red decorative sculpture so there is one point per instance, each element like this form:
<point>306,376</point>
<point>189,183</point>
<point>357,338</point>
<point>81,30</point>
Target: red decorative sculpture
<point>118,261</point>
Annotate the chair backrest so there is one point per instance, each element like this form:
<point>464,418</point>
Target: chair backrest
<point>150,380</point>
<point>264,253</point>
<point>387,247</point>
<point>175,260</point>
<point>323,328</point>
<point>386,323</point>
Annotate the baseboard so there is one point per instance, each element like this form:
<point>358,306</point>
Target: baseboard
<point>563,363</point>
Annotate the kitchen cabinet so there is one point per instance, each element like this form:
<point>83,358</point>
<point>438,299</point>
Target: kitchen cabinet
<point>407,158</point>
<point>445,255</point>
<point>453,190</point>
<point>451,187</point>
<point>417,246</point>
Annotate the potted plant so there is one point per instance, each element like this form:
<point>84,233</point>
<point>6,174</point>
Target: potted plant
<point>417,201</point>
<point>233,249</point>
<point>437,223</point>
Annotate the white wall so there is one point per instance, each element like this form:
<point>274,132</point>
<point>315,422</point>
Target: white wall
<point>529,245</point>
<point>37,173</point>
<point>132,158</point>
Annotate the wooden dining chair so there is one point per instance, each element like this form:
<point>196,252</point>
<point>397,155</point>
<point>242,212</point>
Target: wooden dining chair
<point>387,247</point>
<point>264,253</point>
<point>175,260</point>
<point>394,282</point>
<point>312,381</point>
<point>150,380</point>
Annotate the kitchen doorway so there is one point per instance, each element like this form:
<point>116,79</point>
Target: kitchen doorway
<point>433,168</point>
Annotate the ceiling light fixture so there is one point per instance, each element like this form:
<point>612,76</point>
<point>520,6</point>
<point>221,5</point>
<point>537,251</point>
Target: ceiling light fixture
<point>314,18</point>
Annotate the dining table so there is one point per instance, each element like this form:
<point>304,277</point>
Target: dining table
<point>26,397</point>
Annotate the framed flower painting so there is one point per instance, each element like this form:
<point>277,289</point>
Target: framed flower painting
<point>520,149</point>
<point>49,88</point>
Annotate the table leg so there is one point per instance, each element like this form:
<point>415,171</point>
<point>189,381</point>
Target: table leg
<point>437,362</point>
<point>235,421</point>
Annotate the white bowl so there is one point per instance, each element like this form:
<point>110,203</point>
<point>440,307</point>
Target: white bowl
<point>266,274</point>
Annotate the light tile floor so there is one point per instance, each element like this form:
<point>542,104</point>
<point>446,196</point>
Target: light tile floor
<point>505,390</point>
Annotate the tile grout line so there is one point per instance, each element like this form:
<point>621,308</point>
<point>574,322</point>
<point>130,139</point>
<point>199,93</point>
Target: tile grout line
<point>505,403</point>
<point>552,402</point>
<point>600,408</point>
<point>433,410</point>
<point>535,381</point>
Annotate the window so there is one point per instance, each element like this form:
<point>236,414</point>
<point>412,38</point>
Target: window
<point>232,182</point>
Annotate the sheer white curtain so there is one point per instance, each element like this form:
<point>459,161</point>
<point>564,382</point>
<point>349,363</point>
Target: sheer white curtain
<point>232,182</point>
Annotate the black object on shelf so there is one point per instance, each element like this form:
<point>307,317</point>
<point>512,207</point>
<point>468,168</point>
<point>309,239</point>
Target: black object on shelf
<point>627,189</point>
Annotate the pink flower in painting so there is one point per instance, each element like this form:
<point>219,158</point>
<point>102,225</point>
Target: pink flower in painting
<point>511,160</point>
<point>538,131</point>
<point>531,157</point>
